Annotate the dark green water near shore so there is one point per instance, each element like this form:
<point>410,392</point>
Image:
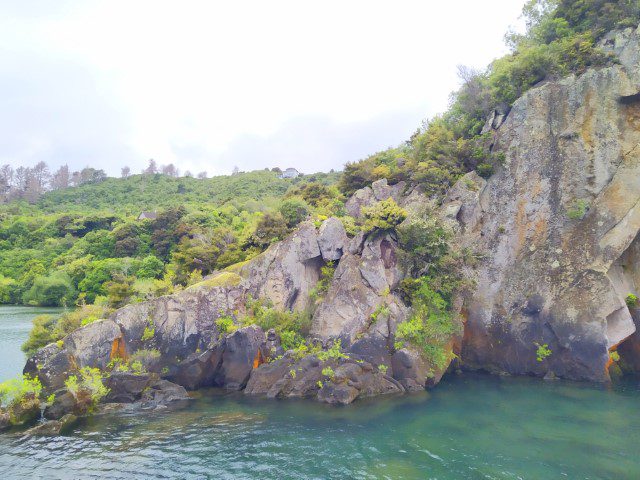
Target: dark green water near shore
<point>470,426</point>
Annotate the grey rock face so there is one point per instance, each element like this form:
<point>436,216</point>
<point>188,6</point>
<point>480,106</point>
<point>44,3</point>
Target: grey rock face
<point>350,379</point>
<point>52,365</point>
<point>126,387</point>
<point>367,196</point>
<point>265,376</point>
<point>242,353</point>
<point>555,221</point>
<point>91,345</point>
<point>361,284</point>
<point>332,239</point>
<point>53,427</point>
<point>162,394</point>
<point>287,271</point>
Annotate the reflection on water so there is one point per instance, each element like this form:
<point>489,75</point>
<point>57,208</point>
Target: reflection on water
<point>471,426</point>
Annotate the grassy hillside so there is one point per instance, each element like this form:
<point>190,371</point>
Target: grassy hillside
<point>85,244</point>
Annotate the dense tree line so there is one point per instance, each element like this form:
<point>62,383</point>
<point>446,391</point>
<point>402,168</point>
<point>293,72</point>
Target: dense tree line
<point>87,245</point>
<point>30,183</point>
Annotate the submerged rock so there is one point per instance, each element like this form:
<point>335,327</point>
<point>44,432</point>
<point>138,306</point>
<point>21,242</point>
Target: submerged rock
<point>53,427</point>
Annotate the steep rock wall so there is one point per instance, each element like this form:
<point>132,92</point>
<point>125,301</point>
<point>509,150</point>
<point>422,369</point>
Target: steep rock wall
<point>554,221</point>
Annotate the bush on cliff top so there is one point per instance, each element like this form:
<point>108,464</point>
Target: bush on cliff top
<point>560,39</point>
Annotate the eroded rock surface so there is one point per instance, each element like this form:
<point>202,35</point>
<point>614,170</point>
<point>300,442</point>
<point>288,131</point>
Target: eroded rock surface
<point>553,221</point>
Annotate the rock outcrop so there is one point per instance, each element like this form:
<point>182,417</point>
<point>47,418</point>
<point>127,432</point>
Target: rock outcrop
<point>554,234</point>
<point>553,224</point>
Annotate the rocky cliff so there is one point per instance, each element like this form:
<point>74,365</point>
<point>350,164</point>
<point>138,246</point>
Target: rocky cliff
<point>554,233</point>
<point>557,225</point>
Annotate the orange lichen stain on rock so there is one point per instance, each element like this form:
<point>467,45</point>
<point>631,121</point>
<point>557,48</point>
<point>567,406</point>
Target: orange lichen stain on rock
<point>118,349</point>
<point>258,359</point>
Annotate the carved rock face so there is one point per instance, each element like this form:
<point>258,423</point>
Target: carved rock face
<point>553,224</point>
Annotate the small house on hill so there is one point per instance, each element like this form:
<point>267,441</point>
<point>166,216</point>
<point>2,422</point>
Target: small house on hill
<point>290,173</point>
<point>147,216</point>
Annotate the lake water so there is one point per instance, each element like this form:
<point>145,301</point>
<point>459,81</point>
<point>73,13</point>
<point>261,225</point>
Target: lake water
<point>15,323</point>
<point>470,426</point>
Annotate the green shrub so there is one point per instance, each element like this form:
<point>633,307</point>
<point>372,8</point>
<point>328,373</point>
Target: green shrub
<point>328,372</point>
<point>333,353</point>
<point>578,210</point>
<point>9,290</point>
<point>14,391</point>
<point>631,300</point>
<point>291,326</point>
<point>41,334</point>
<point>485,170</point>
<point>294,210</point>
<point>430,326</point>
<point>542,351</point>
<point>54,290</point>
<point>326,276</point>
<point>384,215</point>
<point>149,331</point>
<point>424,242</point>
<point>90,382</point>
<point>226,325</point>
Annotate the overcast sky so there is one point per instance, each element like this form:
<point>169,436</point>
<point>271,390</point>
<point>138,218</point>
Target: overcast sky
<point>208,85</point>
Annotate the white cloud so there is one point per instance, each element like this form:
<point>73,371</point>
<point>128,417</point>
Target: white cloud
<point>209,83</point>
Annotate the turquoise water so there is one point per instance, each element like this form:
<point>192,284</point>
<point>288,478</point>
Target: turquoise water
<point>15,323</point>
<point>470,426</point>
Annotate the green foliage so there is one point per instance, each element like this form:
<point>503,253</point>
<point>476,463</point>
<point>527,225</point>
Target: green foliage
<point>326,275</point>
<point>8,290</point>
<point>332,353</point>
<point>48,329</point>
<point>55,289</point>
<point>485,170</point>
<point>430,326</point>
<point>631,300</point>
<point>226,325</point>
<point>561,38</point>
<point>14,391</point>
<point>542,351</point>
<point>291,326</point>
<point>90,382</point>
<point>384,215</point>
<point>578,210</point>
<point>149,331</point>
<point>294,210</point>
<point>270,228</point>
<point>142,359</point>
<point>78,244</point>
<point>41,334</point>
<point>381,310</point>
<point>382,368</point>
<point>424,241</point>
<point>328,372</point>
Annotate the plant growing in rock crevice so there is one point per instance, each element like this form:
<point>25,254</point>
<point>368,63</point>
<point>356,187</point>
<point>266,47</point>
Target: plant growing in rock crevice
<point>542,352</point>
<point>430,326</point>
<point>578,210</point>
<point>149,331</point>
<point>88,386</point>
